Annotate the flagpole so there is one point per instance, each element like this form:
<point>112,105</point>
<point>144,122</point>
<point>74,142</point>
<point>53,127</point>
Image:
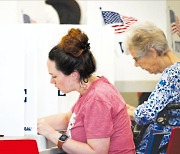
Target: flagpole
<point>100,8</point>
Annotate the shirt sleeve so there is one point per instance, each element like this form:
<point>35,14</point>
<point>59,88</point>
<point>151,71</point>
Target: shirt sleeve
<point>166,91</point>
<point>98,121</point>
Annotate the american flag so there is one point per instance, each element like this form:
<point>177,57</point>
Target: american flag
<point>175,23</point>
<point>120,23</point>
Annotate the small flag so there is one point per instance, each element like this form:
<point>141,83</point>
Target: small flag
<point>120,23</point>
<point>175,23</point>
<point>26,18</point>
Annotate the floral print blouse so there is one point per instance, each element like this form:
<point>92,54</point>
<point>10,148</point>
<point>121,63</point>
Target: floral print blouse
<point>166,91</point>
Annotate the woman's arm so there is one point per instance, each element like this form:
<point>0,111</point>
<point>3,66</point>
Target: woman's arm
<point>50,125</point>
<point>57,122</point>
<point>93,146</point>
<point>165,92</point>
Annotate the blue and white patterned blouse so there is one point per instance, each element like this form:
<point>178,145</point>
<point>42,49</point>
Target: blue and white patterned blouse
<point>166,91</point>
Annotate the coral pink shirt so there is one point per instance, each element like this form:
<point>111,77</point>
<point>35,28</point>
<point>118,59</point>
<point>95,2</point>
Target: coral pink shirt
<point>101,113</point>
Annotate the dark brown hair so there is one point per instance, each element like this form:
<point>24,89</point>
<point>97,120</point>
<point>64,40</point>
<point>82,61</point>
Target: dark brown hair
<point>73,54</point>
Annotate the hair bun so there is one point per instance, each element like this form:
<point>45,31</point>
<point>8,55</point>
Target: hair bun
<point>87,46</point>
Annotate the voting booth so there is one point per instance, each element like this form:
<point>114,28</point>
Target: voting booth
<point>25,91</point>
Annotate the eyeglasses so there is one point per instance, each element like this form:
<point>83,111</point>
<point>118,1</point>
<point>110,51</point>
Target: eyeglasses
<point>138,57</point>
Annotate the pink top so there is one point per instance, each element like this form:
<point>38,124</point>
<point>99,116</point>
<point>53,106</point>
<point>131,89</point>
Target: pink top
<point>101,113</point>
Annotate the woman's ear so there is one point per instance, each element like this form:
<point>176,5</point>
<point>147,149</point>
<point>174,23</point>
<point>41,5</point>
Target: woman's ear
<point>74,75</point>
<point>153,52</point>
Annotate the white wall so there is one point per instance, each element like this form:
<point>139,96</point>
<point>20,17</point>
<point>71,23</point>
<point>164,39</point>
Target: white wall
<point>11,12</point>
<point>8,13</point>
<point>38,10</point>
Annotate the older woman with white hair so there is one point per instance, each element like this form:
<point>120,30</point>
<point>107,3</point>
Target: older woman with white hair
<point>149,48</point>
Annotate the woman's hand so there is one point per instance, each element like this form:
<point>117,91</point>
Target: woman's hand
<point>46,130</point>
<point>43,127</point>
<point>130,110</point>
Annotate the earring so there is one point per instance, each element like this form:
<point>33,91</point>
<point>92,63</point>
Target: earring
<point>81,85</point>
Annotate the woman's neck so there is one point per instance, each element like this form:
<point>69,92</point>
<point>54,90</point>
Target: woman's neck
<point>173,59</point>
<point>83,86</point>
<point>165,61</point>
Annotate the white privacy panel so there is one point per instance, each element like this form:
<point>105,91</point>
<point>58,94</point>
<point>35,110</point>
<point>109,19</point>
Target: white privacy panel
<point>11,81</point>
<point>25,89</point>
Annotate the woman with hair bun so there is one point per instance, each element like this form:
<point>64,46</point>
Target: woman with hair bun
<point>98,122</point>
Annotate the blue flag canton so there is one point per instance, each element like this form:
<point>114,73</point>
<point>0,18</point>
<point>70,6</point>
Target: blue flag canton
<point>111,17</point>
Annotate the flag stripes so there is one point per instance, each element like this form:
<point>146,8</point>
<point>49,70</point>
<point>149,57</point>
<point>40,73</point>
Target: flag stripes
<point>175,23</point>
<point>120,23</point>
